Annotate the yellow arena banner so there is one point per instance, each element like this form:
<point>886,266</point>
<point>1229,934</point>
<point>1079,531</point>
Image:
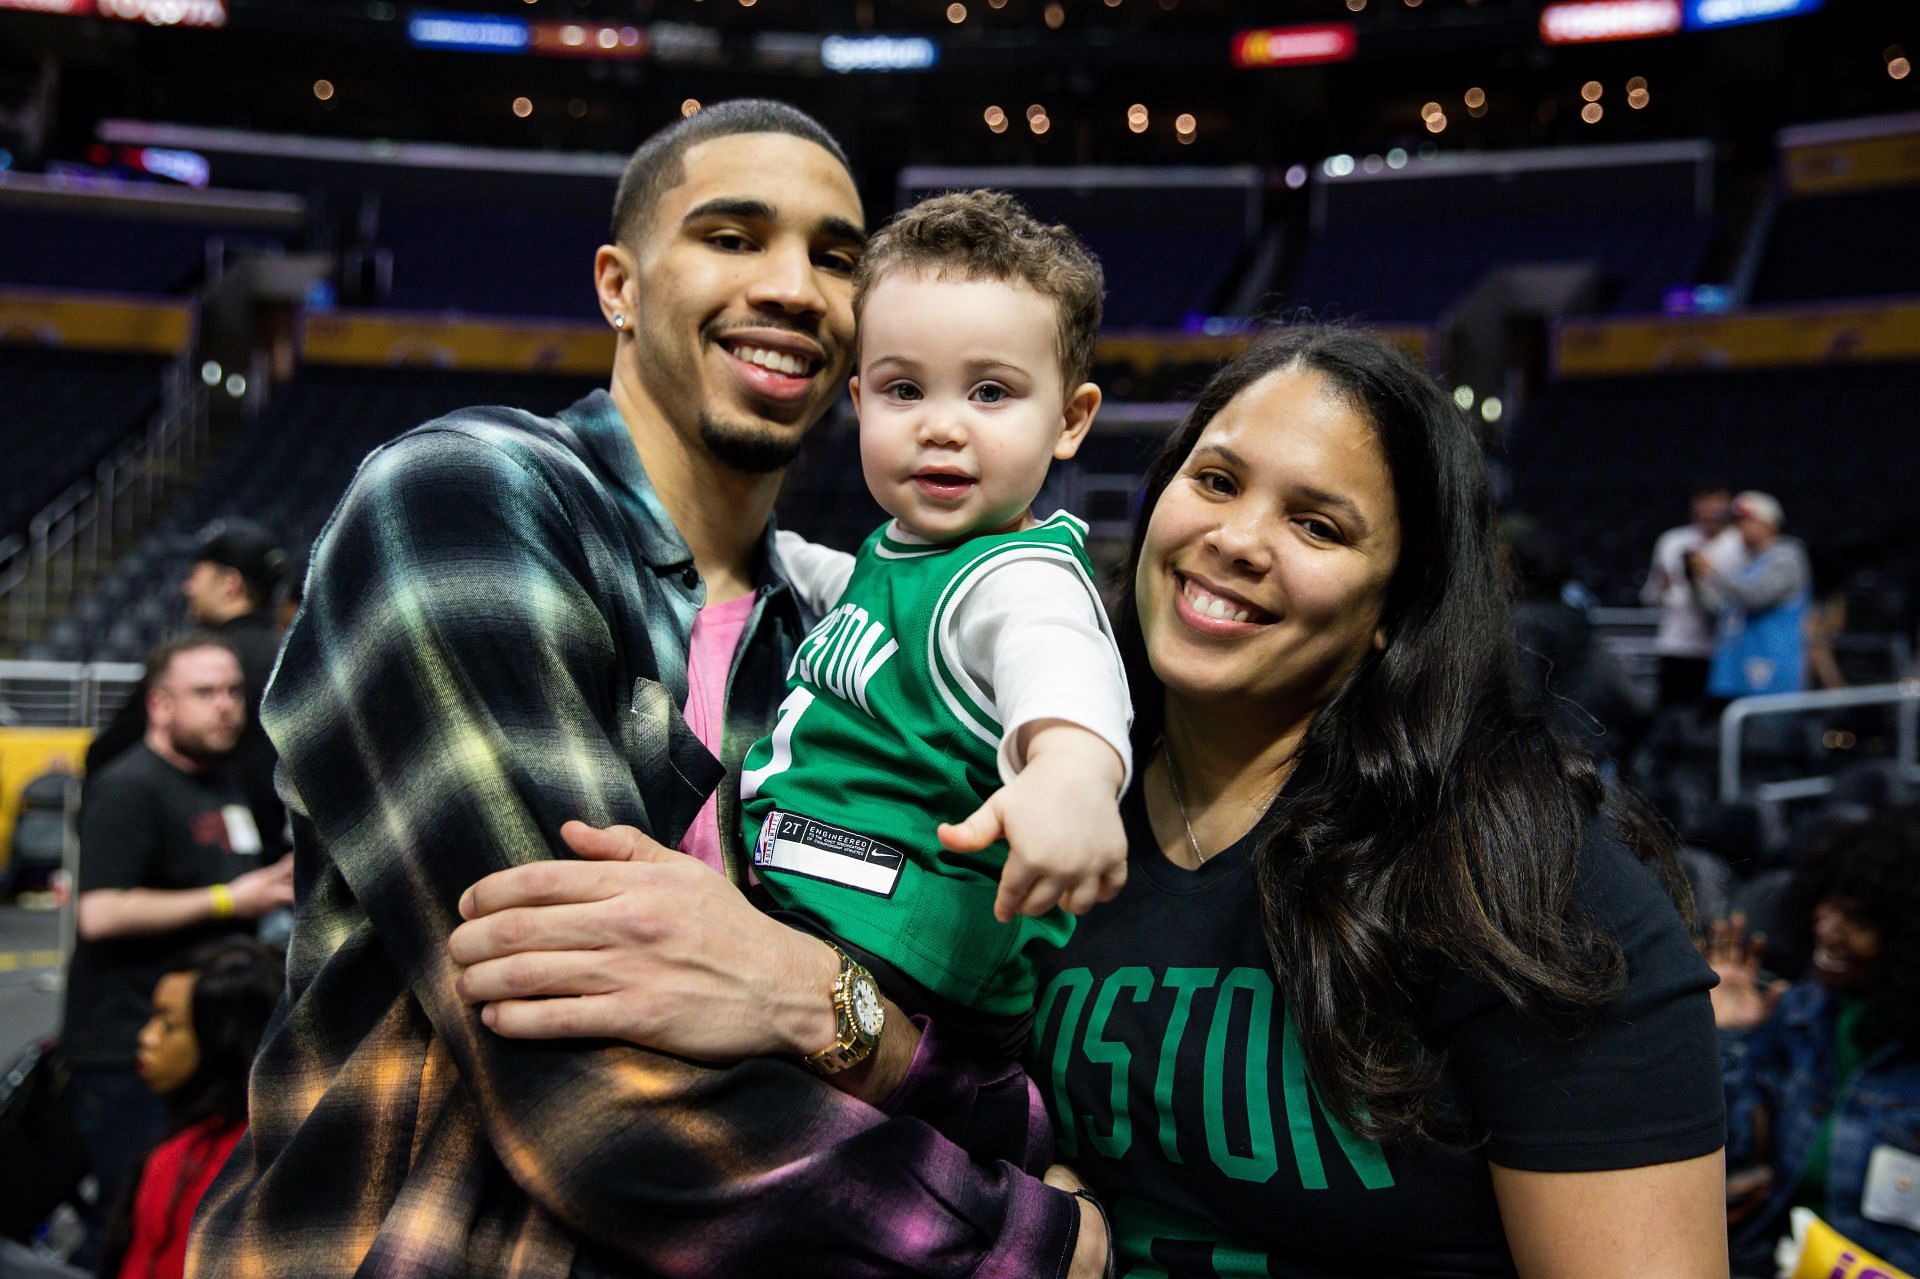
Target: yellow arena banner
<point>26,753</point>
<point>388,338</point>
<point>1146,351</point>
<point>1859,164</point>
<point>95,321</point>
<point>1774,337</point>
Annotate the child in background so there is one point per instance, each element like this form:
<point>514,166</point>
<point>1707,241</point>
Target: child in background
<point>195,1051</point>
<point>964,669</point>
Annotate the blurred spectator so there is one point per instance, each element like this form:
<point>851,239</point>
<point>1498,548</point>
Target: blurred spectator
<point>195,1052</point>
<point>230,590</point>
<point>1685,641</point>
<point>1823,1076</point>
<point>287,601</point>
<point>169,859</point>
<point>1565,667</point>
<point>1762,605</point>
<point>1827,613</point>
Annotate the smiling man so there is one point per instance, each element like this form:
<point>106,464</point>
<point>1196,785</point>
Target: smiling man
<point>512,621</point>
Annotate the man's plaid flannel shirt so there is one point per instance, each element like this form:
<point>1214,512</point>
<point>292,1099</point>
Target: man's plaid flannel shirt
<point>494,640</point>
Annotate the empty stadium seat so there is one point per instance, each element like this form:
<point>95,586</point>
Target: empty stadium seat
<point>1412,270</point>
<point>1852,245</point>
<point>61,413</point>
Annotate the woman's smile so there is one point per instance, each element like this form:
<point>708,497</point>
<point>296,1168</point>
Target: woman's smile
<point>1211,610</point>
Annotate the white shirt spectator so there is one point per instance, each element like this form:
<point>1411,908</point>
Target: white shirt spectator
<point>1686,627</point>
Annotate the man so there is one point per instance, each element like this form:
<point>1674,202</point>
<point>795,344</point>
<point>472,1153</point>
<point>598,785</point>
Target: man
<point>498,635</point>
<point>229,592</point>
<point>1685,640</point>
<point>1762,605</point>
<point>169,858</point>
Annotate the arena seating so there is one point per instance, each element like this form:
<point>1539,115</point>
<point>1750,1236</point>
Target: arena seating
<point>286,470</point>
<point>1159,279</point>
<point>71,250</point>
<point>61,412</point>
<point>1415,269</point>
<point>1850,245</point>
<point>492,261</point>
<point>1607,462</point>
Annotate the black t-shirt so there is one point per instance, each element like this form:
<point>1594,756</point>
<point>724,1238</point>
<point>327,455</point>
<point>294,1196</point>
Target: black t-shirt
<point>146,824</point>
<point>1179,1090</point>
<point>255,640</point>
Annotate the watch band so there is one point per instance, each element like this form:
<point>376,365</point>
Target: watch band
<point>852,1046</point>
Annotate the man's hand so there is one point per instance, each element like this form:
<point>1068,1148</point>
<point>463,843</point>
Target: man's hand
<point>1740,1002</point>
<point>1060,817</point>
<point>258,892</point>
<point>642,943</point>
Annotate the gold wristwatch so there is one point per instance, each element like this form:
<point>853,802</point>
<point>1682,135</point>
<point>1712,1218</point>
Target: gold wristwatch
<point>858,1015</point>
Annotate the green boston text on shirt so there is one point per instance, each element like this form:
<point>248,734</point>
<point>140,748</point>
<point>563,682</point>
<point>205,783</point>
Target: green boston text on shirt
<point>1239,1029</point>
<point>1216,1021</point>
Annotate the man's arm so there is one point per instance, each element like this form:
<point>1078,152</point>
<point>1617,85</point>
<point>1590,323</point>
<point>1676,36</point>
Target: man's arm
<point>120,837</point>
<point>1780,574</point>
<point>450,697</point>
<point>131,912</point>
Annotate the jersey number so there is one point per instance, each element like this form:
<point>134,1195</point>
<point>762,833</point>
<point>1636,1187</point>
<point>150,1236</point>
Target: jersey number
<point>780,759</point>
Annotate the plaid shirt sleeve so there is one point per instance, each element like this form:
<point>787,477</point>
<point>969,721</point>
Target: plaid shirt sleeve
<point>452,693</point>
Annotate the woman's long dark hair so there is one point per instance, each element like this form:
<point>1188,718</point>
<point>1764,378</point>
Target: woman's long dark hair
<point>236,983</point>
<point>1433,821</point>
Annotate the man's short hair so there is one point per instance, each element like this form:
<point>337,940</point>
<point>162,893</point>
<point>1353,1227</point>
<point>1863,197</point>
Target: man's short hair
<point>988,235</point>
<point>656,167</point>
<point>160,660</point>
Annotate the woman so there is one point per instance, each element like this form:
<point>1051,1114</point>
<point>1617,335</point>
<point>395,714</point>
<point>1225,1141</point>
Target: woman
<point>1823,1077</point>
<point>194,1052</point>
<point>1381,996</point>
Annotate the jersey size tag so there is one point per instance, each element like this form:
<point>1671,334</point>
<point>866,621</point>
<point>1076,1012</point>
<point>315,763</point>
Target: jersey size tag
<point>818,850</point>
<point>243,834</point>
<point>1892,1195</point>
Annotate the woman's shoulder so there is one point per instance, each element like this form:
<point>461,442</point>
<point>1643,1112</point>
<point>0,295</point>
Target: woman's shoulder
<point>1624,896</point>
<point>1626,904</point>
<point>1633,1081</point>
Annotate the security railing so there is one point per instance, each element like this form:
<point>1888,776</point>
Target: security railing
<point>72,536</point>
<point>1903,696</point>
<point>64,694</point>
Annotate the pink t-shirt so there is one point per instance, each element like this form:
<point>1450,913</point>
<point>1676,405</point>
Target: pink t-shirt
<point>716,633</point>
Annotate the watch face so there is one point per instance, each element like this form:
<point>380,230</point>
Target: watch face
<point>867,1013</point>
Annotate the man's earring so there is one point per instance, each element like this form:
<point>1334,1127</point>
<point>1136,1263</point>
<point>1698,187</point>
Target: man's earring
<point>619,320</point>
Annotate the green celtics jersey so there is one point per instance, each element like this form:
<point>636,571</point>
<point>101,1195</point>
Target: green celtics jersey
<point>884,734</point>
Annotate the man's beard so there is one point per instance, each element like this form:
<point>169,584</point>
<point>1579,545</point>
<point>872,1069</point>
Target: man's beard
<point>198,748</point>
<point>755,450</point>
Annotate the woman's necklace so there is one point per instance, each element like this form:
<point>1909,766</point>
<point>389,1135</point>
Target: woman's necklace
<point>1173,783</point>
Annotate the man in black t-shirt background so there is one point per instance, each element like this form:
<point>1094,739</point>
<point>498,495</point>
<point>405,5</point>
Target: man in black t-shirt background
<point>170,857</point>
<point>237,567</point>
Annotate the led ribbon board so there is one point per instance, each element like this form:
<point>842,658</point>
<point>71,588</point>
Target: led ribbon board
<point>472,32</point>
<point>878,53</point>
<point>1707,14</point>
<point>1295,46</point>
<point>1592,21</point>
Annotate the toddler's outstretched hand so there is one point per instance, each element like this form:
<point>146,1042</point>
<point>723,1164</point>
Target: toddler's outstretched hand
<point>1061,820</point>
